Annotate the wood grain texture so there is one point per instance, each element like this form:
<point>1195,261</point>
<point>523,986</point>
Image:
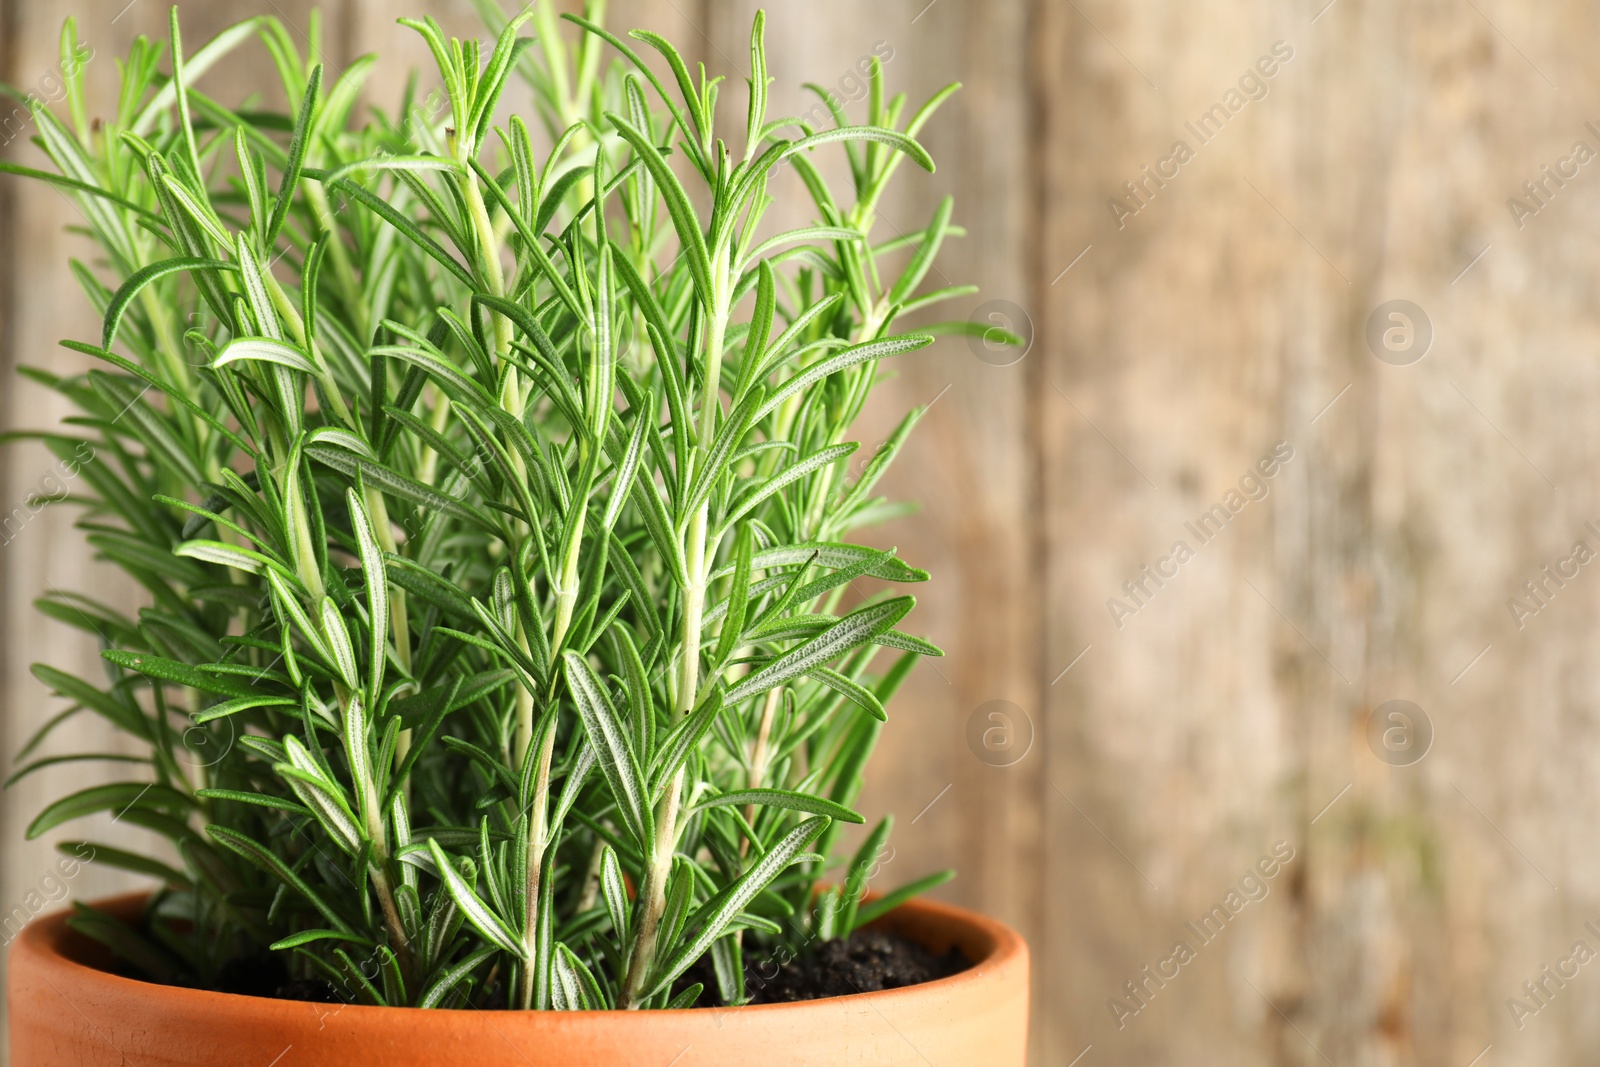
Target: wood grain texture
<point>1225,315</point>
<point>1222,309</point>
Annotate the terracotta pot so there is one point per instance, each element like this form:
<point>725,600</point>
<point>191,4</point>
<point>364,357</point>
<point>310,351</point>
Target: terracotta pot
<point>66,1011</point>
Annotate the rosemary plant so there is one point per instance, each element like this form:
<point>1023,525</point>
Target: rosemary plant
<point>490,498</point>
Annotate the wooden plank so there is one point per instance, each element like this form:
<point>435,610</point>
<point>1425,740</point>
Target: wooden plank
<point>1227,313</point>
<point>1197,331</point>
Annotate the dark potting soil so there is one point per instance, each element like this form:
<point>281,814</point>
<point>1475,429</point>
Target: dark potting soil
<point>268,978</point>
<point>251,977</point>
<point>869,961</point>
<point>313,989</point>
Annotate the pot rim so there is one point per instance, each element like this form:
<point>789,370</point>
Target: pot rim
<point>48,943</point>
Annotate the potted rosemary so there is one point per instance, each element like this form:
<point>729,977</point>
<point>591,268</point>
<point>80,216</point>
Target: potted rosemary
<point>490,486</point>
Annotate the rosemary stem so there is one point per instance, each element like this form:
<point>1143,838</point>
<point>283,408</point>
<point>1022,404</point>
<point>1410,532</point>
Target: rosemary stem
<point>644,946</point>
<point>655,890</point>
<point>538,833</point>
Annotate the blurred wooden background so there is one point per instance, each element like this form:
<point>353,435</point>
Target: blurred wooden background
<point>1221,309</point>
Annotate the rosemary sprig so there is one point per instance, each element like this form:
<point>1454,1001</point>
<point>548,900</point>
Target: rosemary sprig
<point>491,502</point>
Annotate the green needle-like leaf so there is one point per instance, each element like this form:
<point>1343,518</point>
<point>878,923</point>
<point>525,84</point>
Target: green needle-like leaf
<point>784,798</point>
<point>140,279</point>
<point>475,910</point>
<point>297,155</point>
<point>714,917</point>
<point>610,739</point>
<point>850,632</point>
<point>119,797</point>
<point>377,582</point>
